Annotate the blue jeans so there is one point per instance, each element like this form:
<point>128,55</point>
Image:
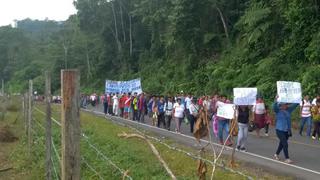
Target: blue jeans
<point>223,124</point>
<point>307,120</point>
<point>283,143</point>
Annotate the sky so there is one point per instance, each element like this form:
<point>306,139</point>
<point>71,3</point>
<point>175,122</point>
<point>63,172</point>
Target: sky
<point>35,9</point>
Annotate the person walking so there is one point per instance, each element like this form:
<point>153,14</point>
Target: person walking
<point>283,113</point>
<point>141,108</point>
<point>135,107</point>
<point>305,113</point>
<point>105,104</point>
<point>168,107</point>
<point>316,119</point>
<point>223,123</point>
<point>259,111</point>
<point>115,104</point>
<point>155,112</point>
<point>178,113</point>
<point>161,113</point>
<point>194,111</point>
<point>243,121</point>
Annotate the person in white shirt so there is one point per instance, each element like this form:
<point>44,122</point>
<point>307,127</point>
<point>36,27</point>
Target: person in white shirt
<point>305,112</point>
<point>115,104</point>
<point>194,111</point>
<point>188,101</point>
<point>178,113</point>
<point>168,108</point>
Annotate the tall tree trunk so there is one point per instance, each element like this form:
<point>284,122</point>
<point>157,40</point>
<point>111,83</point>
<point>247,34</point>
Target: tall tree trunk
<point>88,62</point>
<point>223,22</point>
<point>116,27</point>
<point>122,23</point>
<point>130,31</point>
<point>65,47</point>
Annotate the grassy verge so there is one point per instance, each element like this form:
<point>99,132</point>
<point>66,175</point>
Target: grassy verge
<point>128,154</point>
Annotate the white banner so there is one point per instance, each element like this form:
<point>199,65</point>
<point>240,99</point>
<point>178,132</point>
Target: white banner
<point>131,86</point>
<point>225,110</point>
<point>245,96</point>
<point>289,92</point>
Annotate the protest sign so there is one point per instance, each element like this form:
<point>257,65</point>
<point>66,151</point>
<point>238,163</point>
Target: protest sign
<point>131,86</point>
<point>289,92</point>
<point>245,96</point>
<point>225,110</point>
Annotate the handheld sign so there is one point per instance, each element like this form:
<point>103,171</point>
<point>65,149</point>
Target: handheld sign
<point>245,96</point>
<point>289,92</point>
<point>225,110</point>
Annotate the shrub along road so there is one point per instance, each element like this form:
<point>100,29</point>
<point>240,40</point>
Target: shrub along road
<point>302,150</point>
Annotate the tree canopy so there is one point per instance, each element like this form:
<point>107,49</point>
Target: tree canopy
<point>196,46</point>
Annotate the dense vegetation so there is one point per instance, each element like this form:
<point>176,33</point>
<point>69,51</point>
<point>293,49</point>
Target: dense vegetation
<point>195,46</point>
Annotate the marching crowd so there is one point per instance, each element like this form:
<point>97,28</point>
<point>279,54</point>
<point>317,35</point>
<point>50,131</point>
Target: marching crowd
<point>185,108</point>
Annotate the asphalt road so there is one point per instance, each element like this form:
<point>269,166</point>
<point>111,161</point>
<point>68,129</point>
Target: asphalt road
<point>304,151</point>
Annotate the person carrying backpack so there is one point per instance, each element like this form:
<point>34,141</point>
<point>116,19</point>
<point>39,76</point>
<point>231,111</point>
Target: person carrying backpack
<point>168,107</point>
<point>194,111</point>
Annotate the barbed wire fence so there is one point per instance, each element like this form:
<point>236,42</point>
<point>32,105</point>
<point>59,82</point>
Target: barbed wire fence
<point>35,128</point>
<point>36,135</point>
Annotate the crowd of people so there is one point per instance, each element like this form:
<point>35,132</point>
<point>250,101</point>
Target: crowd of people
<point>186,108</point>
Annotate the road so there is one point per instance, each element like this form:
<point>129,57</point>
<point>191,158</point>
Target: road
<point>304,151</point>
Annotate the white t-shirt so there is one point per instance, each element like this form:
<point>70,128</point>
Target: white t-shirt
<point>306,109</point>
<point>168,107</point>
<point>178,110</point>
<point>115,100</point>
<point>259,108</point>
<point>188,102</point>
<point>314,101</point>
<point>194,109</point>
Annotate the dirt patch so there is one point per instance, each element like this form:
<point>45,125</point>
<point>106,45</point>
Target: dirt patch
<point>6,135</point>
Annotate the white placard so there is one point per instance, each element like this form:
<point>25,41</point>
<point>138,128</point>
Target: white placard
<point>289,92</point>
<point>245,96</point>
<point>225,110</point>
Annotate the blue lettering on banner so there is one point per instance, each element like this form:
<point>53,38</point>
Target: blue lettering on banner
<point>123,86</point>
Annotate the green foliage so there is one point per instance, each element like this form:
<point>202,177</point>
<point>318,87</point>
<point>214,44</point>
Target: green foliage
<point>172,45</point>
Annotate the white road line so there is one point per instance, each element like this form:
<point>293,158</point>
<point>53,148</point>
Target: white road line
<point>205,141</point>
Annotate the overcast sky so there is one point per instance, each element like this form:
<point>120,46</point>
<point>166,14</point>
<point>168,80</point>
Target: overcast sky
<point>35,9</point>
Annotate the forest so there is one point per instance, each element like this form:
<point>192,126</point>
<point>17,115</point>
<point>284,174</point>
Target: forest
<point>198,46</point>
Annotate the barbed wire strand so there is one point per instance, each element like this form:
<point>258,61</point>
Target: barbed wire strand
<point>186,152</point>
<point>93,147</point>
<point>92,169</point>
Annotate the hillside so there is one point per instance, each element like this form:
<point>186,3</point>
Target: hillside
<point>196,46</point>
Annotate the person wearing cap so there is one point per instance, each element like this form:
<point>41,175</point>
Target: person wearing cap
<point>283,113</point>
<point>194,111</point>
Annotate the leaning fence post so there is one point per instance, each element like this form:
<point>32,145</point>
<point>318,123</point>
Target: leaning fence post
<point>48,127</point>
<point>70,123</point>
<point>30,115</point>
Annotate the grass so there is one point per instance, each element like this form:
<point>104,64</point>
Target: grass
<point>129,154</point>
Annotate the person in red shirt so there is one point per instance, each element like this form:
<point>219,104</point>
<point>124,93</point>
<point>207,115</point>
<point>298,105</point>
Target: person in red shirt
<point>127,103</point>
<point>121,104</point>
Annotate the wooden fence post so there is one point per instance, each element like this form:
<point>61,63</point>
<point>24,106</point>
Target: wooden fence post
<point>70,121</point>
<point>30,98</point>
<point>48,127</point>
<point>25,113</point>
